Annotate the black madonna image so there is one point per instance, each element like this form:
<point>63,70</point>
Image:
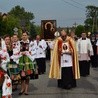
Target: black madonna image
<point>48,28</point>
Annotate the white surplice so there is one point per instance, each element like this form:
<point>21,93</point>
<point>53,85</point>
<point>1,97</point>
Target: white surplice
<point>85,49</point>
<point>40,48</point>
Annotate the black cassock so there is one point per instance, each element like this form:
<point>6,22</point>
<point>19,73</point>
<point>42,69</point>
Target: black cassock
<point>94,58</point>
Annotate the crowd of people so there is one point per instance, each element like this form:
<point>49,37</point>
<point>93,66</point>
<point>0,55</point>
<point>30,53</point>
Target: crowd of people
<point>72,58</point>
<point>24,59</point>
<point>21,60</point>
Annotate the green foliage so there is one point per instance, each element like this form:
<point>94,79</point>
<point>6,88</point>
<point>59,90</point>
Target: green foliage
<point>35,29</point>
<point>38,29</point>
<point>79,29</point>
<point>91,11</point>
<point>19,18</point>
<point>91,21</point>
<point>24,18</point>
<point>22,15</point>
<point>11,23</point>
<point>7,25</point>
<point>2,26</point>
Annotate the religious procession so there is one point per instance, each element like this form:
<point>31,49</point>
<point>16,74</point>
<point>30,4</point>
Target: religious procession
<point>19,61</point>
<point>22,60</point>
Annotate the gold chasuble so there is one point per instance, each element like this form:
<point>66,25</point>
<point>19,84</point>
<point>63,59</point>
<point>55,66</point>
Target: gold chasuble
<point>55,68</point>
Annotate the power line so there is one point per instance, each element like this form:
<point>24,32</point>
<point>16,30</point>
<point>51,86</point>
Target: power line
<point>77,2</point>
<point>73,5</point>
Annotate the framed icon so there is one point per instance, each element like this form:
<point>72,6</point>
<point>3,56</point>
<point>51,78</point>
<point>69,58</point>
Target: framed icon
<point>48,28</point>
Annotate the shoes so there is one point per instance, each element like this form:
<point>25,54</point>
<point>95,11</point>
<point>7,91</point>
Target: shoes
<point>21,93</point>
<point>26,93</point>
<point>67,87</point>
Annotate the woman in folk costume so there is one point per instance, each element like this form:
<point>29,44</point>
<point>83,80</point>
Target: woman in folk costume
<point>64,65</point>
<point>85,50</point>
<point>10,64</point>
<point>13,68</point>
<point>26,64</point>
<point>5,81</point>
<point>4,56</point>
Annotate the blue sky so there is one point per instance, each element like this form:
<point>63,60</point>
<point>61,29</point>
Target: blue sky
<point>66,12</point>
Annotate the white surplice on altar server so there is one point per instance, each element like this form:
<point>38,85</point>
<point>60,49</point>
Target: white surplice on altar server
<point>40,48</point>
<point>85,49</point>
<point>66,57</point>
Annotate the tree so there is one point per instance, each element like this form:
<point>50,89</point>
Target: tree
<point>8,24</point>
<point>79,29</point>
<point>19,18</point>
<point>24,17</point>
<point>35,29</point>
<point>11,23</point>
<point>91,18</point>
<point>38,29</point>
<point>2,26</point>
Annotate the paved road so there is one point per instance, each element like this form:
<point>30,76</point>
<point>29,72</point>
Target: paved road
<point>87,87</point>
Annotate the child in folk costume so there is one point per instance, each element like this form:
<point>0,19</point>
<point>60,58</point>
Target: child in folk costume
<point>5,79</point>
<point>26,63</point>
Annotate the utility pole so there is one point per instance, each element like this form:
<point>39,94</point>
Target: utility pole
<point>75,25</point>
<point>96,21</point>
<point>95,24</point>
